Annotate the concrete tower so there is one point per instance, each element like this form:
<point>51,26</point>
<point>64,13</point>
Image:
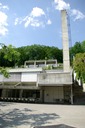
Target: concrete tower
<point>65,41</point>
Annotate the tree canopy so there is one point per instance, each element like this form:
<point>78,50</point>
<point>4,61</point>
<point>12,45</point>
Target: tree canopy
<point>39,52</point>
<point>79,65</point>
<point>9,54</point>
<point>83,46</point>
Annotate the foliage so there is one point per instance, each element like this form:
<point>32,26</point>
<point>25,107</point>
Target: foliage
<point>79,47</point>
<point>10,53</point>
<point>4,72</point>
<point>83,45</point>
<point>79,65</point>
<point>11,56</point>
<point>39,52</point>
<point>7,54</point>
<point>49,67</point>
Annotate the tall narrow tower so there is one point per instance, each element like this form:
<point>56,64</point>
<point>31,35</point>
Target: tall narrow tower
<point>65,41</point>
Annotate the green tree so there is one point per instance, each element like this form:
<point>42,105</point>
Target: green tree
<point>57,54</point>
<point>77,48</point>
<point>36,52</point>
<point>10,55</point>
<point>83,45</point>
<point>79,66</point>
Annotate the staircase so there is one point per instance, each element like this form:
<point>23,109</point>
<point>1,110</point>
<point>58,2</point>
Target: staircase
<point>79,95</point>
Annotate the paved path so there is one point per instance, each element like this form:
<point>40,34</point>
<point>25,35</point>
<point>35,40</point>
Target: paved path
<point>23,115</point>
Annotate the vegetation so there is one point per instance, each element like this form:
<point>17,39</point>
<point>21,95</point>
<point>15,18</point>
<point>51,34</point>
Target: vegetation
<point>79,47</point>
<point>11,56</point>
<point>79,66</point>
<point>33,52</point>
<point>40,52</point>
<point>78,53</point>
<point>8,55</point>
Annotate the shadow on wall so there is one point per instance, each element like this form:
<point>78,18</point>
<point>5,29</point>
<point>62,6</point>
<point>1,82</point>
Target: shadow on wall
<point>16,117</point>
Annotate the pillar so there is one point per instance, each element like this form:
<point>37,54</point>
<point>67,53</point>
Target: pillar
<point>65,41</point>
<point>42,95</point>
<point>71,95</point>
<point>20,95</point>
<point>4,93</point>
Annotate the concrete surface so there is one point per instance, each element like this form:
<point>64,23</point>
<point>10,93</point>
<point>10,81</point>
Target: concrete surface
<point>24,115</point>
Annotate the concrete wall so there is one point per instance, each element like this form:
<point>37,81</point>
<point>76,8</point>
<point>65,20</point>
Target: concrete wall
<point>53,94</point>
<point>21,75</point>
<point>54,78</point>
<point>29,77</point>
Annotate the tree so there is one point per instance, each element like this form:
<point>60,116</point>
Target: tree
<point>39,52</point>
<point>83,45</point>
<point>79,66</point>
<point>9,54</point>
<point>77,48</point>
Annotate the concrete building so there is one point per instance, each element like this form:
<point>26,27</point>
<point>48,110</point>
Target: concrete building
<point>33,84</point>
<point>36,85</point>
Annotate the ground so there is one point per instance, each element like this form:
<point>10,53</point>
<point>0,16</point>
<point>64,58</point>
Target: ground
<point>25,115</point>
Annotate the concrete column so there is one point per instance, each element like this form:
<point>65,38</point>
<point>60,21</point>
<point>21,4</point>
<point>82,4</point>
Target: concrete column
<point>20,95</point>
<point>4,93</point>
<point>34,64</point>
<point>71,95</point>
<point>65,41</point>
<point>45,63</point>
<point>42,95</point>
